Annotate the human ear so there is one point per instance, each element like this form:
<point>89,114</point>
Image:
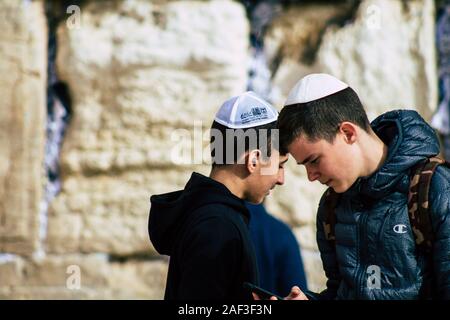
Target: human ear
<point>348,131</point>
<point>253,159</point>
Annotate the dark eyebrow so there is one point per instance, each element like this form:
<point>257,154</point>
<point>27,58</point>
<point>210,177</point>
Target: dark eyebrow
<point>306,160</point>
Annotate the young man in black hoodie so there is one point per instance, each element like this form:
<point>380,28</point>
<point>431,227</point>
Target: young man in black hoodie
<point>204,228</point>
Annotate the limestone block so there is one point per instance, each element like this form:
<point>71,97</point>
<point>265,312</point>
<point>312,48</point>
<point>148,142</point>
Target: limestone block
<point>387,55</point>
<point>50,293</point>
<point>314,270</point>
<point>11,272</point>
<point>54,271</point>
<point>292,40</point>
<point>296,32</point>
<point>108,213</point>
<point>296,201</point>
<point>306,236</point>
<point>23,48</point>
<point>50,278</point>
<point>386,51</point>
<point>138,70</point>
<point>159,147</point>
<point>138,280</point>
<point>5,293</point>
<point>66,228</point>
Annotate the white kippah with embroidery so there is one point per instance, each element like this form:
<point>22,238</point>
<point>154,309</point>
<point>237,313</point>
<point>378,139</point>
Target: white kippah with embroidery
<point>245,111</point>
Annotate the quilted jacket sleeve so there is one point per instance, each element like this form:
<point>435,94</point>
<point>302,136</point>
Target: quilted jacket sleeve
<point>439,198</point>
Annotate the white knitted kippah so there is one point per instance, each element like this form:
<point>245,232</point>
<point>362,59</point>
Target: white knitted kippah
<point>313,87</point>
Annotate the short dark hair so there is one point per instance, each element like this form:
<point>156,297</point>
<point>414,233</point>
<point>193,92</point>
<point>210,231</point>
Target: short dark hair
<point>235,142</point>
<point>320,119</point>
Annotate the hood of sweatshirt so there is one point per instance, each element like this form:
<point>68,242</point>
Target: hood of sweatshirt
<point>169,212</point>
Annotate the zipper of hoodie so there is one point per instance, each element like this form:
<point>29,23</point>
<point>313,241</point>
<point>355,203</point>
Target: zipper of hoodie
<point>361,271</point>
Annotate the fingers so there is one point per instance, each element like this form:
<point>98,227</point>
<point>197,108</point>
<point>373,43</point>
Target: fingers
<point>296,294</point>
<point>302,296</point>
<point>256,297</point>
<point>295,291</point>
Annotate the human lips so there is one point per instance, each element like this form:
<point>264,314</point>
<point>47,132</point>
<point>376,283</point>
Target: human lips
<point>268,192</point>
<point>327,182</point>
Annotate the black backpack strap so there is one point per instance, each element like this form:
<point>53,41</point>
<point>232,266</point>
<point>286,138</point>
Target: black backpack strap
<point>418,206</point>
<point>330,203</point>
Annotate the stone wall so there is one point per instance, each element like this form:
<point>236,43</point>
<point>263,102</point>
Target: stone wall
<point>145,78</point>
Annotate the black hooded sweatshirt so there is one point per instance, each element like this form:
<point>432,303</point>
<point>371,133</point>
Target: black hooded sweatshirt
<point>204,230</point>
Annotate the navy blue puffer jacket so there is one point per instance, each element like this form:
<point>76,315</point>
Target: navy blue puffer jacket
<point>373,232</point>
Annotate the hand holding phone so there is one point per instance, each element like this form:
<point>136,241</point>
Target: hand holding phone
<point>262,293</point>
<point>266,295</point>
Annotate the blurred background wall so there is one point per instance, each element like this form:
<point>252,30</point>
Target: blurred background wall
<point>105,103</point>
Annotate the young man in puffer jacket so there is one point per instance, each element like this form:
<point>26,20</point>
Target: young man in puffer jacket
<point>325,128</point>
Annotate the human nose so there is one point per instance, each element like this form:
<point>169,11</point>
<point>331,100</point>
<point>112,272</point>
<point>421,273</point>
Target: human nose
<point>280,180</point>
<point>313,175</point>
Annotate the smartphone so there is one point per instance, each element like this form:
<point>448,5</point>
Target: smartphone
<point>262,293</point>
<point>265,295</point>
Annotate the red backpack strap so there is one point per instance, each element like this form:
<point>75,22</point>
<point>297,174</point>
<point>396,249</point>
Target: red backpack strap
<point>330,204</point>
<point>418,206</point>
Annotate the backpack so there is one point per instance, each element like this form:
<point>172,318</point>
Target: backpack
<point>418,207</point>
